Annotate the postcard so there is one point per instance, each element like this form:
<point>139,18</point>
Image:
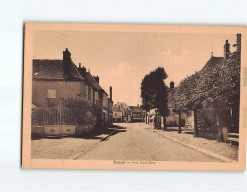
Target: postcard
<point>134,97</point>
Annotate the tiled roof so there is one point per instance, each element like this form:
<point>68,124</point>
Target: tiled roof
<point>48,69</point>
<point>53,70</point>
<point>74,72</point>
<point>213,61</point>
<point>92,81</point>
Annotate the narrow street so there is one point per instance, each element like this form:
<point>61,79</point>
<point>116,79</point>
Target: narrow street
<point>139,142</point>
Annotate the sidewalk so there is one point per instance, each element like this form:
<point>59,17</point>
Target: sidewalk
<point>201,144</point>
<point>66,147</point>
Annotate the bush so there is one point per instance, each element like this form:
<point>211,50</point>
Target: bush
<point>82,110</point>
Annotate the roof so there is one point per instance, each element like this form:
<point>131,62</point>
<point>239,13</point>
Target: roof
<point>48,69</point>
<point>74,72</point>
<point>117,111</point>
<point>53,70</point>
<point>120,106</point>
<point>135,109</point>
<point>213,61</point>
<point>92,81</point>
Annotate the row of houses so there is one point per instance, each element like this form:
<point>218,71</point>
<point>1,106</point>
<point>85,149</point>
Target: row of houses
<point>56,81</point>
<point>124,113</point>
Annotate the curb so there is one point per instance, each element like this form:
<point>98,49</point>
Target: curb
<point>212,154</point>
<point>102,139</point>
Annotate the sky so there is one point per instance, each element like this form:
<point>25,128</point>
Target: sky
<point>122,59</point>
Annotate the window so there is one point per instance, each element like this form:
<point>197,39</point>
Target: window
<point>82,88</point>
<point>90,93</point>
<point>92,100</point>
<point>86,92</point>
<point>51,93</point>
<point>96,96</point>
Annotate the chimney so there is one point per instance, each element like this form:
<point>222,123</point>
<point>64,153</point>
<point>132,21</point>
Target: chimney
<point>97,79</point>
<point>83,71</point>
<point>111,93</point>
<point>171,85</point>
<point>239,42</point>
<point>66,55</point>
<point>226,50</point>
<point>79,65</point>
<point>66,61</point>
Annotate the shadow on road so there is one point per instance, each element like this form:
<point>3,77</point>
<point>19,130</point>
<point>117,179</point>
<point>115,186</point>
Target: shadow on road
<point>101,134</point>
<point>118,127</point>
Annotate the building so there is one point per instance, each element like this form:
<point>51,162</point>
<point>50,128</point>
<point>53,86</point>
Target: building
<point>124,113</point>
<point>110,109</point>
<point>134,114</point>
<point>54,80</point>
<point>119,112</point>
<point>57,80</point>
<point>117,116</point>
<point>99,98</point>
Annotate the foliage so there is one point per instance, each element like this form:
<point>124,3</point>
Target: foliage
<point>37,116</point>
<point>154,91</point>
<point>186,96</point>
<point>82,110</point>
<point>230,81</point>
<point>215,87</point>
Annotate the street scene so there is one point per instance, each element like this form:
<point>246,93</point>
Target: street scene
<point>151,97</point>
<point>126,145</point>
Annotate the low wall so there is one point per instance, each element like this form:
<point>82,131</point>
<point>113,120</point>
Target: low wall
<point>41,131</point>
<point>84,129</point>
<point>37,131</point>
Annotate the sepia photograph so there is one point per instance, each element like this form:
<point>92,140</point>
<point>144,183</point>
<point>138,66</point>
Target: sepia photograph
<point>142,97</point>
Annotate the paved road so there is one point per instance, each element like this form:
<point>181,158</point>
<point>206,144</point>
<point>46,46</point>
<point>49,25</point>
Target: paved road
<point>139,142</point>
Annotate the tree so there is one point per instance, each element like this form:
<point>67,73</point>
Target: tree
<point>230,86</point>
<point>214,91</point>
<point>154,92</point>
<point>185,97</point>
<point>176,105</point>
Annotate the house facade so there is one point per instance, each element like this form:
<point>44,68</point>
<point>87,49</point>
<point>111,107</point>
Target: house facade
<point>117,116</point>
<point>99,98</point>
<point>135,114</point>
<point>55,81</point>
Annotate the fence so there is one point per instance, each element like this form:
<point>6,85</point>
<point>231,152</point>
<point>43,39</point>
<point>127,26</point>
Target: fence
<point>57,121</point>
<point>58,116</point>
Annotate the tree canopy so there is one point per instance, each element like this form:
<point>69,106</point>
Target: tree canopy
<point>216,85</point>
<point>154,91</point>
<point>212,84</point>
